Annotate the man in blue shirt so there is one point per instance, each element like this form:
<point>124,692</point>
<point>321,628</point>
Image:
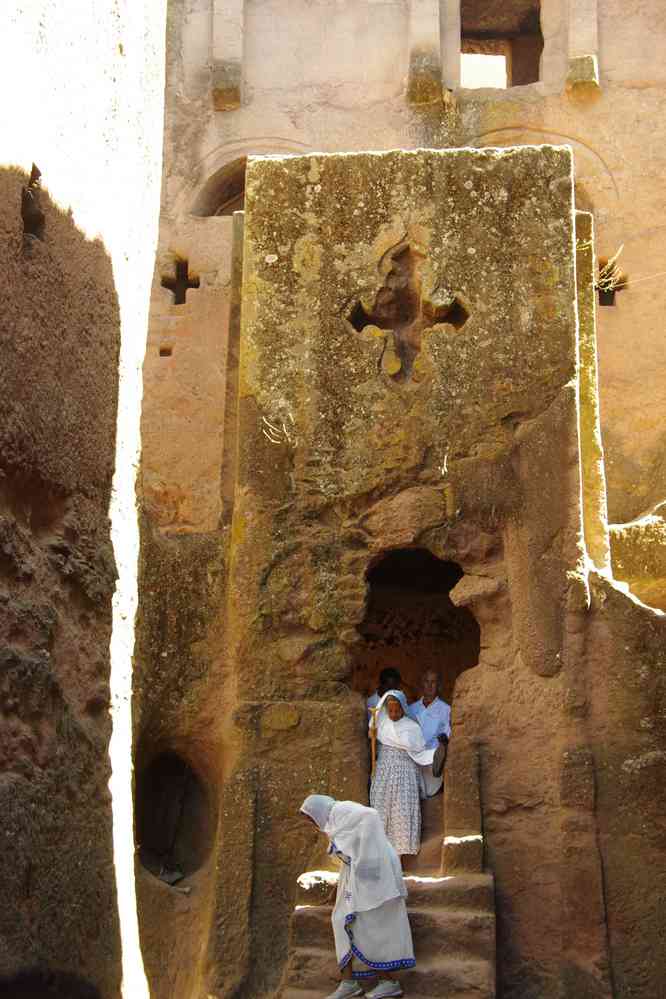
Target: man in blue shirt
<point>434,716</point>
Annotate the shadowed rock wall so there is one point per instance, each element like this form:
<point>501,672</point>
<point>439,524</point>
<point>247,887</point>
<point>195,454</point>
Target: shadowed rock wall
<point>60,342</point>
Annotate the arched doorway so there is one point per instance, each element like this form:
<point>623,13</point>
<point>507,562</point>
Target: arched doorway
<point>412,624</point>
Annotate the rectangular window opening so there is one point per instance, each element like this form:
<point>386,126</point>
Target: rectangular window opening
<point>490,31</point>
<point>166,351</point>
<point>478,70</point>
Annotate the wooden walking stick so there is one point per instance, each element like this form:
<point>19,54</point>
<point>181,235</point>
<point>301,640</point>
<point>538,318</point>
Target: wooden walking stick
<point>373,737</point>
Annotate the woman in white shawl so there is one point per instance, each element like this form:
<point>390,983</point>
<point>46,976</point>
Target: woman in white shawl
<point>370,924</point>
<point>397,784</point>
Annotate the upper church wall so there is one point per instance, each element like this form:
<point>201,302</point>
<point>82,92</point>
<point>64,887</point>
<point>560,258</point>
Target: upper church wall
<point>354,51</point>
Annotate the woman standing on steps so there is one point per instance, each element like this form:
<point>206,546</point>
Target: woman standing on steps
<point>370,924</point>
<point>397,784</point>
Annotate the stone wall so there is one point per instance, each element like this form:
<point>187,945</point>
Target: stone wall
<point>246,78</point>
<point>85,102</point>
<point>57,574</point>
<point>298,95</point>
<point>449,435</point>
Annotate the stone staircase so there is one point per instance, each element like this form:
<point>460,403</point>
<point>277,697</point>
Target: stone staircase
<point>452,914</point>
<point>453,926</point>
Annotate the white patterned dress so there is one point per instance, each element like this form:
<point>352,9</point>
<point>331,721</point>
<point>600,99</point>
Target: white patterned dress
<point>395,791</point>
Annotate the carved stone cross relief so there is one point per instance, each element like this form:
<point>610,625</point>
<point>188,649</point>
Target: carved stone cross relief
<point>401,308</point>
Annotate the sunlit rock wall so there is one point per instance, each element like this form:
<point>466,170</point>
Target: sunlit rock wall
<point>298,93</point>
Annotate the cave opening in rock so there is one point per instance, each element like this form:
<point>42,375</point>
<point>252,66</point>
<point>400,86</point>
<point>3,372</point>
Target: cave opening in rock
<point>173,818</point>
<point>412,624</point>
<point>36,983</point>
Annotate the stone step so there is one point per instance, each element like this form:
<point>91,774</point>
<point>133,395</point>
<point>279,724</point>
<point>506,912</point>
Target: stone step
<point>429,858</point>
<point>453,925</point>
<point>449,933</point>
<point>453,978</point>
<point>460,891</point>
<point>444,932</point>
<point>290,993</point>
<point>314,969</point>
<point>318,994</point>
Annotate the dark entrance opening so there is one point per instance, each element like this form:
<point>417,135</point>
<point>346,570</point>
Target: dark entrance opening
<point>40,984</point>
<point>224,192</point>
<point>173,818</point>
<point>412,624</point>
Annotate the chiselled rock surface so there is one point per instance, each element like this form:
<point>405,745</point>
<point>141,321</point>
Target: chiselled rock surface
<point>639,557</point>
<point>408,360</point>
<point>419,476</point>
<point>60,345</point>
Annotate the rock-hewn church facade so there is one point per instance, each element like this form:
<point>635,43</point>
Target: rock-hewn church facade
<point>402,398</point>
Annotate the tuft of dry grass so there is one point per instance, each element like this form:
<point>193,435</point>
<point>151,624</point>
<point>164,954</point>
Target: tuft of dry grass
<point>609,275</point>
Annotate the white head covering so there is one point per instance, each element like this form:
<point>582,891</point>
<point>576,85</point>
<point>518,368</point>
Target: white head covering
<point>375,874</point>
<point>318,808</point>
<point>357,832</point>
<point>405,734</point>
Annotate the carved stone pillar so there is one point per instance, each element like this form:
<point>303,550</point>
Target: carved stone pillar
<point>425,65</point>
<point>227,54</point>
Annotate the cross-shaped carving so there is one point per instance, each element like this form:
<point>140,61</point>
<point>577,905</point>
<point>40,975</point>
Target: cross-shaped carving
<point>180,283</point>
<point>401,308</point>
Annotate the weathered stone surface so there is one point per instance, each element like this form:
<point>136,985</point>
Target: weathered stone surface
<point>626,669</point>
<point>593,472</point>
<point>347,94</point>
<point>279,717</point>
<point>462,855</point>
<point>638,552</point>
<point>60,342</point>
<point>227,84</point>
<point>403,518</point>
<point>359,458</point>
<point>583,75</point>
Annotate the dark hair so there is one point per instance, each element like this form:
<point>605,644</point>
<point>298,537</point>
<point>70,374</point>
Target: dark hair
<point>389,674</point>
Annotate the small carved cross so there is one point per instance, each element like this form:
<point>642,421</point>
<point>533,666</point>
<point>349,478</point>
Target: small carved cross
<point>180,283</point>
<point>400,308</point>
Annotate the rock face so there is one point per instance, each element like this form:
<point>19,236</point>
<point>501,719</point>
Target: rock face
<point>57,440</point>
<point>639,557</point>
<point>408,380</point>
<point>340,76</point>
<point>567,688</point>
<point>417,476</point>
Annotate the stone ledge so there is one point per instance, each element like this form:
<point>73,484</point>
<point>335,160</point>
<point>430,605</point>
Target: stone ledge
<point>583,75</point>
<point>227,80</point>
<point>462,854</point>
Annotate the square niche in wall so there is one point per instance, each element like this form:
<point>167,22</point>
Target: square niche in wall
<point>499,35</point>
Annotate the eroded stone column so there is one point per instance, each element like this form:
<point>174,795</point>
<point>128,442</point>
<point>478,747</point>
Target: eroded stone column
<point>583,71</point>
<point>227,53</point>
<point>425,65</point>
<point>595,511</point>
<point>450,46</point>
